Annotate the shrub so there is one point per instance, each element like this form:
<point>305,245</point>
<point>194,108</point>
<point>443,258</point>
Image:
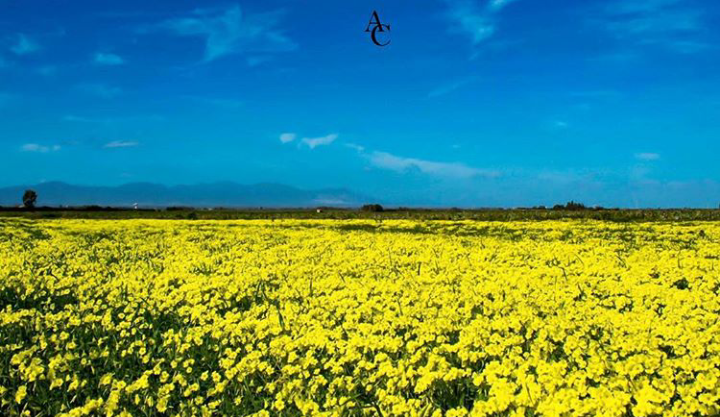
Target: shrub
<point>571,205</point>
<point>373,208</point>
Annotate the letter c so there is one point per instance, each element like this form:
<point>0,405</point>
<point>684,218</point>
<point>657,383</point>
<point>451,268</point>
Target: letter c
<point>374,38</point>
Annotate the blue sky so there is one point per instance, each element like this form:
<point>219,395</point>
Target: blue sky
<point>474,102</point>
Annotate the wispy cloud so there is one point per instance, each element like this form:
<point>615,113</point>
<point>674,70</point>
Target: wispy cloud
<point>676,25</point>
<point>560,124</point>
<point>595,94</point>
<point>47,70</point>
<point>34,147</point>
<point>72,118</point>
<point>287,137</point>
<point>643,6</point>
<point>229,31</point>
<point>477,21</point>
<point>356,147</point>
<point>227,103</point>
<point>647,156</point>
<point>449,88</point>
<point>121,144</point>
<point>101,90</point>
<point>254,61</point>
<point>313,143</point>
<point>458,170</point>
<point>24,45</point>
<point>499,4</point>
<point>471,21</point>
<point>402,164</point>
<point>80,119</point>
<point>102,58</point>
<point>688,47</point>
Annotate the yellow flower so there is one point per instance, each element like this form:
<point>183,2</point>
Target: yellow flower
<point>20,394</point>
<point>325,317</point>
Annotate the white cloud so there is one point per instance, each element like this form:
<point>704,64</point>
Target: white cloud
<point>79,119</point>
<point>395,163</point>
<point>227,32</point>
<point>287,137</point>
<point>449,88</point>
<point>47,70</point>
<point>108,59</point>
<point>313,143</point>
<point>655,23</point>
<point>560,124</point>
<point>72,118</point>
<point>595,94</point>
<point>356,147</point>
<point>642,6</point>
<point>34,147</point>
<point>688,47</point>
<point>471,21</point>
<point>474,20</point>
<point>499,4</point>
<point>254,61</point>
<point>101,90</point>
<point>121,144</point>
<point>24,45</point>
<point>647,156</point>
<point>672,24</point>
<point>401,164</point>
<point>227,103</point>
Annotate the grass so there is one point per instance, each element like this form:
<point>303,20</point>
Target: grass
<point>614,215</point>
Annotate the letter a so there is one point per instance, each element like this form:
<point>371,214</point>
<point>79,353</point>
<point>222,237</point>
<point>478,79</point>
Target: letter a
<point>376,23</point>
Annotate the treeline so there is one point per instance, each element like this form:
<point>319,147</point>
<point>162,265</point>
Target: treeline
<point>520,214</point>
<point>569,210</point>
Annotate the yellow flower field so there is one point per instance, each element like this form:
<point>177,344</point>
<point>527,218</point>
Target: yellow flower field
<point>362,317</point>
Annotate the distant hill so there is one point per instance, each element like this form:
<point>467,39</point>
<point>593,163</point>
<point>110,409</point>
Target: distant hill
<point>218,194</point>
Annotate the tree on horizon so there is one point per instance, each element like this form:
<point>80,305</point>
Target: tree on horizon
<point>29,199</point>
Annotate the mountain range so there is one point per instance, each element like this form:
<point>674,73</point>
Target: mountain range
<point>218,194</point>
